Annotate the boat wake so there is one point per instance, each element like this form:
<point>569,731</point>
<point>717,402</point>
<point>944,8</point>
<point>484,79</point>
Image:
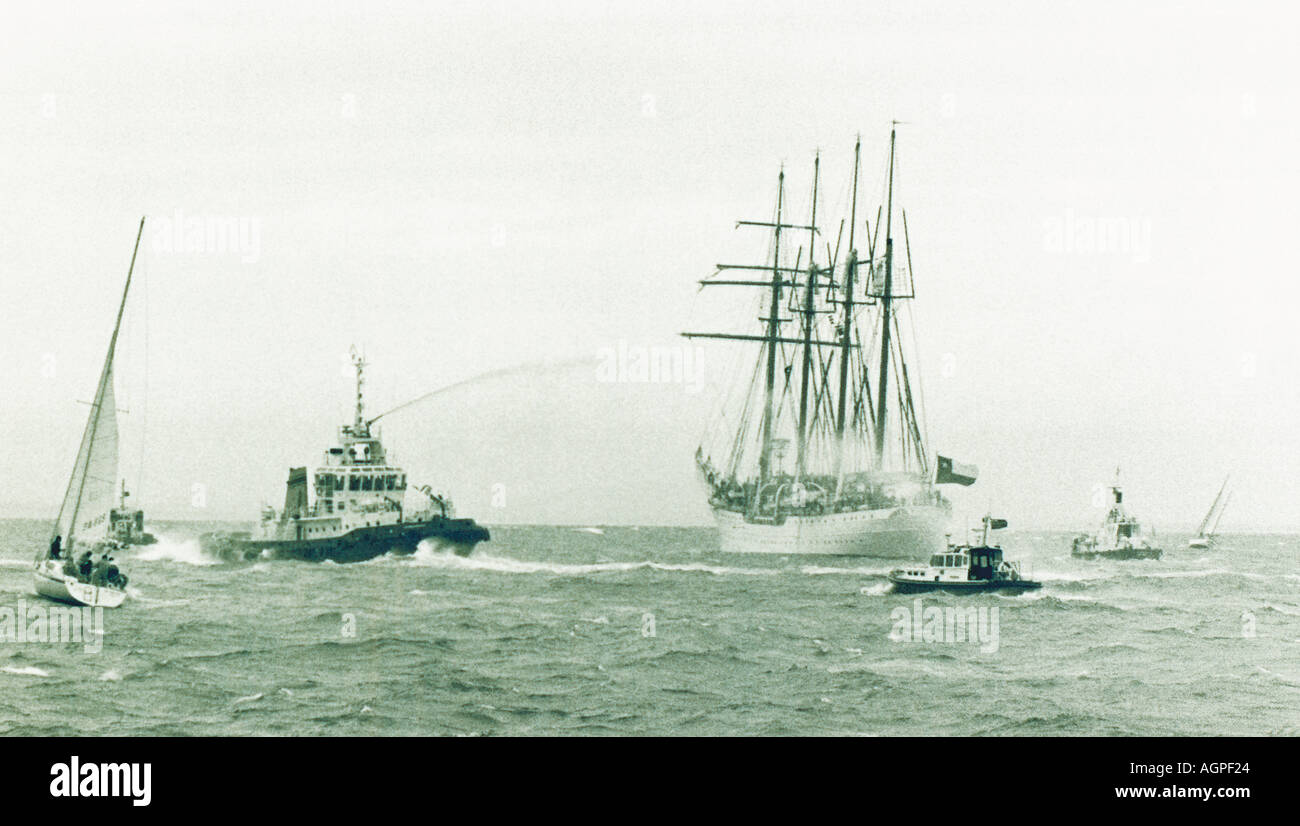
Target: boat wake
<point>166,549</point>
<point>428,557</point>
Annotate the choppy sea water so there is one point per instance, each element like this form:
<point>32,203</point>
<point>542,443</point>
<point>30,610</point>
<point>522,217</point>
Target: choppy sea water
<point>654,631</point>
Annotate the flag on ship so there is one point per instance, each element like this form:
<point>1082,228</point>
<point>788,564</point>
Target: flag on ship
<point>948,472</point>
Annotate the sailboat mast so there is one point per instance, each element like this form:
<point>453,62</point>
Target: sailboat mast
<point>846,326</point>
<point>105,376</point>
<point>808,309</point>
<point>882,381</point>
<point>773,337</point>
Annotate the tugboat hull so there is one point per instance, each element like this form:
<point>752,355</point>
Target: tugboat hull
<point>913,586</point>
<point>1119,553</point>
<point>357,545</point>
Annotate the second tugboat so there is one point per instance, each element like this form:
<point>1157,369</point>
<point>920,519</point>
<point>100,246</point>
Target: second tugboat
<point>358,512</point>
<point>1121,535</point>
<point>965,568</point>
<point>127,526</point>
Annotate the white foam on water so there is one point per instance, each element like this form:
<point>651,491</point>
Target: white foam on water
<point>426,556</point>
<point>184,551</point>
<point>596,531</point>
<point>822,570</point>
<point>15,563</point>
<point>1189,574</point>
<point>110,676</point>
<point>1062,576</point>
<point>1289,680</point>
<point>876,590</point>
<point>251,698</point>
<point>26,671</point>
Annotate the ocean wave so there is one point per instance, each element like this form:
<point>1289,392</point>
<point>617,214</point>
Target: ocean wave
<point>26,671</point>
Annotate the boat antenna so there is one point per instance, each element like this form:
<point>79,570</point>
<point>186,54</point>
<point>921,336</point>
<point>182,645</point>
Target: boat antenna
<point>360,425</point>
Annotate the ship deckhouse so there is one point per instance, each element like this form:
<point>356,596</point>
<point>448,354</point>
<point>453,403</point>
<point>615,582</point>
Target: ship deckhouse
<point>353,487</point>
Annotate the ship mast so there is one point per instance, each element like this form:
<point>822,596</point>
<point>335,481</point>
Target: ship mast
<point>765,457</point>
<point>808,316</point>
<point>846,327</point>
<point>883,381</point>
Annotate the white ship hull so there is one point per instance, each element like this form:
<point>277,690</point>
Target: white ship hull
<point>904,532</point>
<point>50,582</point>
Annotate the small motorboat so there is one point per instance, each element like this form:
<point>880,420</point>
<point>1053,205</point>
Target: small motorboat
<point>963,568</point>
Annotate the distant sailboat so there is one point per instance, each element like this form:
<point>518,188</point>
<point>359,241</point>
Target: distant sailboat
<point>85,517</point>
<point>1206,532</point>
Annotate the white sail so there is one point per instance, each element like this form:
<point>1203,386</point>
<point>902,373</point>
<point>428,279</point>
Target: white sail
<point>84,515</point>
<point>1210,523</point>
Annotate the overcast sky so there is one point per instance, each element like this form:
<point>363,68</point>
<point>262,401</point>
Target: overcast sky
<point>1101,200</point>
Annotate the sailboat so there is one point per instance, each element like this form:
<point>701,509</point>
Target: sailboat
<point>77,566</point>
<point>831,379</point>
<point>1206,531</point>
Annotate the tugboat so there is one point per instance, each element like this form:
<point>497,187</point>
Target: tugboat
<point>1121,535</point>
<point>127,526</point>
<point>965,568</point>
<point>358,512</point>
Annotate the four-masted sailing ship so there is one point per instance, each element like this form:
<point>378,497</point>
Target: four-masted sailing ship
<point>77,567</point>
<point>832,379</point>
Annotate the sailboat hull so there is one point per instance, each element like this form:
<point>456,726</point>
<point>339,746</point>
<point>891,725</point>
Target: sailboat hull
<point>905,532</point>
<point>50,582</point>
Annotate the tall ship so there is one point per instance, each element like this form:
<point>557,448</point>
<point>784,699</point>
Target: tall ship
<point>821,447</point>
<point>1209,527</point>
<point>77,566</point>
<point>352,507</point>
<point>1120,536</point>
